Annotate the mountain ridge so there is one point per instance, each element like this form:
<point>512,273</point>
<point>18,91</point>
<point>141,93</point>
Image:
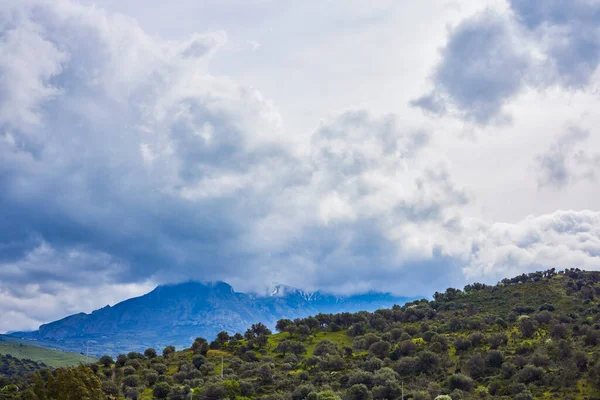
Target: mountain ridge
<point>177,313</point>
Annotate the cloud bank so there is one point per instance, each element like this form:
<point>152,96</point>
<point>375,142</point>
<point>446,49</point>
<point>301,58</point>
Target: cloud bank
<point>125,162</point>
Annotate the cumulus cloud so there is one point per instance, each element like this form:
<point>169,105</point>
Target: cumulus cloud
<point>568,33</point>
<point>567,161</point>
<point>125,162</point>
<point>493,56</point>
<point>142,165</point>
<point>483,65</point>
<point>563,239</point>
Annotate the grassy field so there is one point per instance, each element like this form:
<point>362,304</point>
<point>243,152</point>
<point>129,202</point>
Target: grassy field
<point>52,358</point>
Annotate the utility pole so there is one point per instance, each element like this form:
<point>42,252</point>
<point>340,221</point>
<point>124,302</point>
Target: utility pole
<point>402,390</point>
<point>221,366</point>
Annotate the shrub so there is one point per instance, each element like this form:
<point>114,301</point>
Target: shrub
<point>494,358</point>
<point>530,374</point>
<point>461,382</point>
<point>359,392</point>
<point>107,361</point>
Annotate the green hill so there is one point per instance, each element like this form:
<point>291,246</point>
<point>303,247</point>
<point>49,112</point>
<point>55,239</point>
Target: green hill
<point>536,336</point>
<point>52,358</point>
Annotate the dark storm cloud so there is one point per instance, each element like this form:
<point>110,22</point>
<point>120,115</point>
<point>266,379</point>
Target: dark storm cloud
<point>132,163</point>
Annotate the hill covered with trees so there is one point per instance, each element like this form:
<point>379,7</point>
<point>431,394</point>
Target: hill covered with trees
<point>536,336</point>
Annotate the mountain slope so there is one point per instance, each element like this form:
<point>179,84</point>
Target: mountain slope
<point>176,314</point>
<point>536,336</point>
<point>49,357</point>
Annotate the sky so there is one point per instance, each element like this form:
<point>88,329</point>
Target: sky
<point>327,145</point>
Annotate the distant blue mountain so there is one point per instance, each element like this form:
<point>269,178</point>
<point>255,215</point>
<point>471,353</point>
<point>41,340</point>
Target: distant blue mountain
<point>176,314</point>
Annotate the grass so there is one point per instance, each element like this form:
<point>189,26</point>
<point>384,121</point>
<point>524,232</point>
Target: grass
<point>341,338</point>
<point>52,358</point>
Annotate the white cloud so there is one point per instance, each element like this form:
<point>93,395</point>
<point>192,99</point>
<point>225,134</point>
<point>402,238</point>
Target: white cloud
<point>128,160</point>
<point>564,239</point>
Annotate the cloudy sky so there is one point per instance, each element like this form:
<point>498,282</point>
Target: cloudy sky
<point>404,146</point>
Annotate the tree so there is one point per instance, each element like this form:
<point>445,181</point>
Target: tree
<point>179,392</point>
<point>161,390</point>
<point>121,360</point>
<point>327,395</point>
<point>198,361</point>
<point>303,330</point>
<point>326,347</point>
<point>461,382</point>
<point>232,388</point>
<point>476,366</point>
<point>134,355</point>
<point>151,378</point>
<point>222,337</point>
<point>260,329</point>
<point>359,392</point>
<point>131,380</point>
<point>291,329</point>
<point>150,353</point>
<point>107,361</point>
<point>168,351</point>
<point>283,347</point>
<point>380,349</point>
<point>495,358</point>
<point>109,388</point>
<point>282,324</point>
<point>260,341</point>
<point>527,327</point>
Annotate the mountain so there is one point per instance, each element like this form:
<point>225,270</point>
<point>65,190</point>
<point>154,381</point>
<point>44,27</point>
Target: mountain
<point>176,314</point>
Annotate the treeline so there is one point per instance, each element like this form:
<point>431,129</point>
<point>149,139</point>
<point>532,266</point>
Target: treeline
<point>13,369</point>
<point>534,336</point>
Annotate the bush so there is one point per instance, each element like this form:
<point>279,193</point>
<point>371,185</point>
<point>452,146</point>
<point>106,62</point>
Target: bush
<point>476,366</point>
<point>461,382</point>
<point>527,327</point>
<point>107,361</point>
<point>494,358</point>
<point>159,368</point>
<point>327,395</point>
<point>168,351</point>
<point>359,392</point>
<point>131,380</point>
<point>380,349</point>
<point>530,374</point>
<point>150,353</point>
<point>151,378</point>
<point>161,390</point>
<point>462,344</point>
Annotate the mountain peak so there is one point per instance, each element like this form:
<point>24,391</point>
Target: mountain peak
<point>178,313</point>
<point>280,290</point>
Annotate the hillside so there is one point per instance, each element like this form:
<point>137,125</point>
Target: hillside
<point>536,336</point>
<point>176,314</point>
<point>49,357</point>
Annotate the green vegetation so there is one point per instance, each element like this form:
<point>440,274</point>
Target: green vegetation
<point>52,358</point>
<point>536,336</point>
